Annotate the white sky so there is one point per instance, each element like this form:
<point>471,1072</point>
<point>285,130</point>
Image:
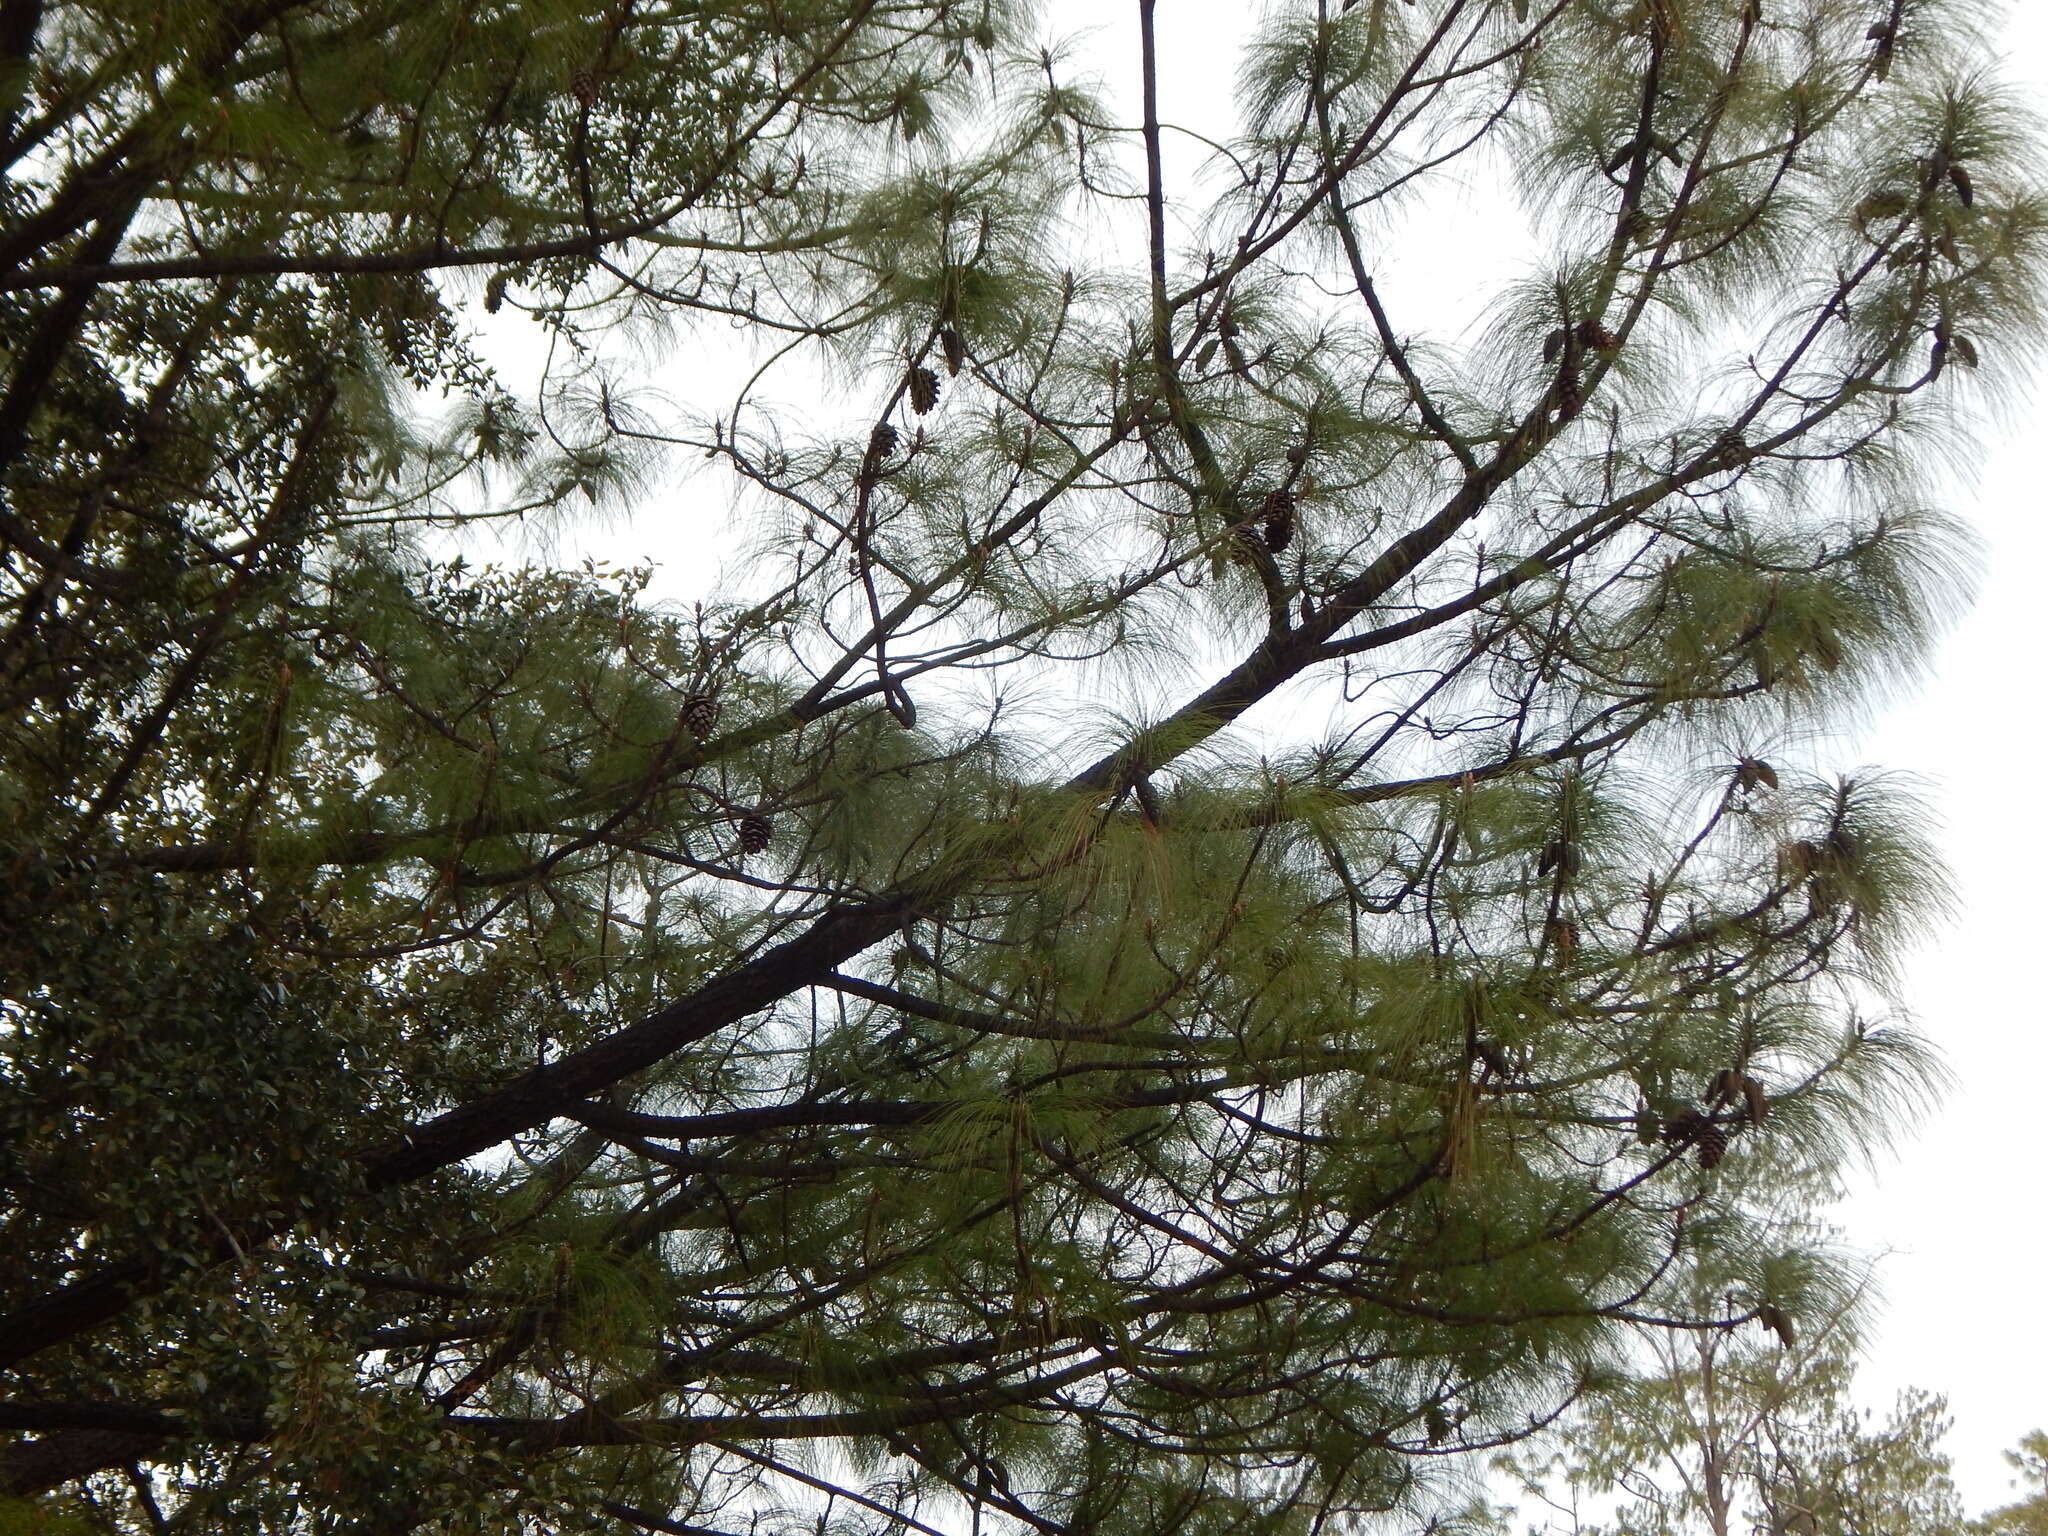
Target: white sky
<point>1960,1207</point>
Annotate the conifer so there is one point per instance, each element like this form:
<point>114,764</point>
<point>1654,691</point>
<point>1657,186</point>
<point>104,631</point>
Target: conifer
<point>1176,1070</point>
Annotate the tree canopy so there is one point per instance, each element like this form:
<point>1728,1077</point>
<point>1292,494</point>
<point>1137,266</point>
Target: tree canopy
<point>1723,1430</point>
<point>2026,1516</point>
<point>1235,884</point>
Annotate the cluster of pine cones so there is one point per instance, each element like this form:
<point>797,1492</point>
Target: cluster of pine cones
<point>921,384</point>
<point>1272,527</point>
<point>1568,349</point>
<point>1700,1132</point>
<point>1706,1132</point>
<point>700,717</point>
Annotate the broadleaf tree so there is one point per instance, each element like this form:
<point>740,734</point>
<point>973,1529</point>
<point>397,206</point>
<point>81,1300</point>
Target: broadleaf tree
<point>2027,1516</point>
<point>1716,1431</point>
<point>1234,875</point>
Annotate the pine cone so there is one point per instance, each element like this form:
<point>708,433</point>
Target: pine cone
<point>924,390</point>
<point>700,714</point>
<point>1277,515</point>
<point>882,441</point>
<point>1775,1320</point>
<point>1799,859</point>
<point>584,85</point>
<point>1595,337</point>
<point>1712,1144</point>
<point>1756,1102</point>
<point>755,831</point>
<point>1754,772</point>
<point>955,350</point>
<point>1683,1129</point>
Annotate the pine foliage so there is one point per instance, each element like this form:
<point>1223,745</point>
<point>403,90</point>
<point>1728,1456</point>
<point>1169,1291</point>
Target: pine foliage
<point>1216,896</point>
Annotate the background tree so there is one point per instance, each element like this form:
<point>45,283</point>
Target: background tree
<point>1723,1431</point>
<point>931,1031</point>
<point>2026,1516</point>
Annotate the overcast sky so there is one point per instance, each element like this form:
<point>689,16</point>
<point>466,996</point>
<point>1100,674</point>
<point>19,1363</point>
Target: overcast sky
<point>1961,1203</point>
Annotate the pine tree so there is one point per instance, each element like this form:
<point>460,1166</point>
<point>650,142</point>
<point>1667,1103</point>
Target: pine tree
<point>936,1034</point>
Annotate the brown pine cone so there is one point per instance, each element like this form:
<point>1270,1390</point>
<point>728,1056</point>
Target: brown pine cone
<point>1595,337</point>
<point>1800,860</point>
<point>1754,772</point>
<point>1277,516</point>
<point>700,714</point>
<point>924,390</point>
<point>1775,1320</point>
<point>755,831</point>
<point>1712,1144</point>
<point>1756,1103</point>
<point>883,441</point>
<point>1683,1129</point>
<point>955,350</point>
